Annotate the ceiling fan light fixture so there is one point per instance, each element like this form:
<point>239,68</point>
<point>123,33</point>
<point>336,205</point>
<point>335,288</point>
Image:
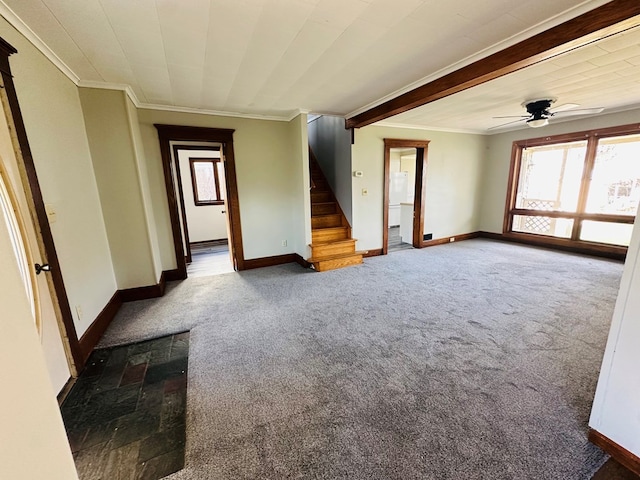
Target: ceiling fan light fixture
<point>538,122</point>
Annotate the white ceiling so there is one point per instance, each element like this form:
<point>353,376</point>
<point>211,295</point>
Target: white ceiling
<point>276,57</point>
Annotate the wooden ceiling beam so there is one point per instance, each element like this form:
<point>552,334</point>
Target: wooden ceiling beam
<point>609,19</point>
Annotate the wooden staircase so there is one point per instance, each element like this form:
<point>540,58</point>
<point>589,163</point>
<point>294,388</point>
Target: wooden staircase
<point>331,245</point>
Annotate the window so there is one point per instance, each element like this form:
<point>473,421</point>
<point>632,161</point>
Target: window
<point>580,188</point>
<point>206,175</point>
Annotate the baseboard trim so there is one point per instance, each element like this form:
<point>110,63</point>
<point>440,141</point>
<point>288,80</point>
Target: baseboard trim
<point>270,261</point>
<point>62,395</point>
<point>457,238</point>
<point>376,252</point>
<point>172,275</point>
<point>606,251</point>
<point>143,293</point>
<point>94,333</point>
<point>302,262</point>
<point>621,454</point>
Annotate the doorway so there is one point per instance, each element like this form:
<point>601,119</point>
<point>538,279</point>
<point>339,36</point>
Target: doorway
<point>202,196</point>
<point>169,135</point>
<point>404,194</point>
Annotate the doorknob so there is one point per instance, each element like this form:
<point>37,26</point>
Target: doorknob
<point>42,268</point>
<point>222,211</point>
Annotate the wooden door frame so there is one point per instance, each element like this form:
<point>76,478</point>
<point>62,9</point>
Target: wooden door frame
<point>185,227</point>
<point>421,147</point>
<point>224,136</point>
<point>24,157</point>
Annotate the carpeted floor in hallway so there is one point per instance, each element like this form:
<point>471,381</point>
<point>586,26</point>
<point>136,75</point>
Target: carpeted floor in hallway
<point>470,360</point>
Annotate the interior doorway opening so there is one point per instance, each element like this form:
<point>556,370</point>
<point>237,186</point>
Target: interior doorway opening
<point>169,135</point>
<point>405,163</point>
<point>202,197</point>
<point>402,174</point>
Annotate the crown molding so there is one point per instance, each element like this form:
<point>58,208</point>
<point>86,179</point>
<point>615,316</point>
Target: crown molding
<point>111,86</point>
<point>573,12</point>
<point>17,23</point>
<point>426,127</point>
<point>218,113</point>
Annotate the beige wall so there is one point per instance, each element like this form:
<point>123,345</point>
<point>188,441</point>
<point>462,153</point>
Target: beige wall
<point>496,171</point>
<point>267,173</point>
<point>33,443</point>
<point>55,127</point>
<point>118,179</point>
<point>454,167</point>
<point>145,188</point>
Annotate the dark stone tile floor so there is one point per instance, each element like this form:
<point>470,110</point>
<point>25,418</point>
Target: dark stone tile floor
<point>126,414</point>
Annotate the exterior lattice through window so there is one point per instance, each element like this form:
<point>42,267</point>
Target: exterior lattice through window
<point>579,189</point>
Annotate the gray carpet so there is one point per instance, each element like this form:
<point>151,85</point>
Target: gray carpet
<point>472,360</point>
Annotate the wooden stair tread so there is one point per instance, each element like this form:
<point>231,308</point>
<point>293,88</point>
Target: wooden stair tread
<point>326,229</point>
<point>336,256</point>
<point>332,242</point>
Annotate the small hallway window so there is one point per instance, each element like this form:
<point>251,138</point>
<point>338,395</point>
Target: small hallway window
<point>206,174</point>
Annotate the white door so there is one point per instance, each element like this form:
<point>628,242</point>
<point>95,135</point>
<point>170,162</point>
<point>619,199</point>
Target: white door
<point>16,216</point>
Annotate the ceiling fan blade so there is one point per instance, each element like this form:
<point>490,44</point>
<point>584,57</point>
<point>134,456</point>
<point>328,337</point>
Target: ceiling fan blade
<point>582,111</point>
<point>513,116</point>
<point>563,107</point>
<point>508,123</point>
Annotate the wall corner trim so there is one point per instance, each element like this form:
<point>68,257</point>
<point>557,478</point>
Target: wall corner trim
<point>621,454</point>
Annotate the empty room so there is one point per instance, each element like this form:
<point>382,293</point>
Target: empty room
<point>364,239</point>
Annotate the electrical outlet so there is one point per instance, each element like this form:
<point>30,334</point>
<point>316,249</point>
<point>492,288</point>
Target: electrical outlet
<point>79,312</point>
<point>452,239</point>
<point>284,243</point>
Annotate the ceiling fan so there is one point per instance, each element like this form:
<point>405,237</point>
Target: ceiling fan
<point>539,112</point>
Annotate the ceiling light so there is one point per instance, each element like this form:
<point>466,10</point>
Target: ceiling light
<point>538,122</point>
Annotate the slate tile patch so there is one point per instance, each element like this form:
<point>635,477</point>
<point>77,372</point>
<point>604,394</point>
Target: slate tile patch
<point>126,415</point>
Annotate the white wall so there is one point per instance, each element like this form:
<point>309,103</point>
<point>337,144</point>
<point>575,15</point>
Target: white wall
<point>454,167</point>
<point>205,222</point>
<point>268,175</point>
<point>55,127</point>
<point>331,144</point>
<point>33,442</point>
<point>119,184</point>
<point>498,161</point>
<point>616,407</point>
